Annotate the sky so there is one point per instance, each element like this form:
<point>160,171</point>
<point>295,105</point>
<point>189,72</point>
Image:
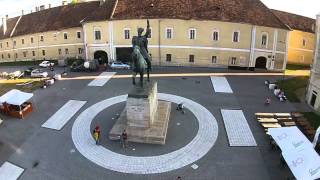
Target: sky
<point>307,8</point>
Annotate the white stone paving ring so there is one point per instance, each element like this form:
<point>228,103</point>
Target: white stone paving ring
<point>196,149</point>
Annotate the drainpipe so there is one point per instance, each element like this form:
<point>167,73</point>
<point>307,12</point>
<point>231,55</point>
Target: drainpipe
<point>85,41</point>
<point>159,42</point>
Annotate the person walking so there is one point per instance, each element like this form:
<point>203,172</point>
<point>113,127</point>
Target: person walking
<point>268,101</point>
<point>96,134</point>
<point>124,139</point>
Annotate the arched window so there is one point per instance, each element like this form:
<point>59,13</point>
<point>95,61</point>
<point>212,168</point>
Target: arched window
<point>215,35</point>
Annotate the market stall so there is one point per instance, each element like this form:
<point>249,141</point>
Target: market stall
<point>16,103</point>
<point>298,152</point>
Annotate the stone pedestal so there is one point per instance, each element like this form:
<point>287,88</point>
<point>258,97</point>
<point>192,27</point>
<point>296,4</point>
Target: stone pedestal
<point>142,105</point>
<point>145,118</point>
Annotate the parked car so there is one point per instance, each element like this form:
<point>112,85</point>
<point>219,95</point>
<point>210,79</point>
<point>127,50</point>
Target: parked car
<point>45,64</point>
<point>39,73</point>
<point>119,65</point>
<point>28,71</point>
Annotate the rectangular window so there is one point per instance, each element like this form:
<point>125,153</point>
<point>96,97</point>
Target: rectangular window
<point>9,56</point>
<point>25,54</point>
<point>264,40</point>
<point>59,51</point>
<point>214,59</point>
<point>31,40</point>
<point>127,34</point>
<point>33,53</point>
<point>169,33</point>
<point>97,35</point>
<point>66,51</point>
<point>22,41</point>
<point>304,42</point>
<point>14,43</point>
<point>168,57</point>
<point>192,34</point>
<point>80,50</point>
<point>191,58</point>
<point>7,44</point>
<point>0,45</point>
<point>41,38</point>
<point>65,35</point>
<point>215,36</point>
<point>16,55</point>
<point>43,52</point>
<point>2,56</point>
<point>78,34</point>
<point>236,35</point>
<point>233,60</point>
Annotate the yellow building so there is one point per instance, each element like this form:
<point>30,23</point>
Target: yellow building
<point>302,37</point>
<point>313,93</point>
<point>183,33</point>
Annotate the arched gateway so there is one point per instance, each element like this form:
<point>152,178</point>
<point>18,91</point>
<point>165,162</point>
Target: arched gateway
<point>261,62</point>
<point>101,56</point>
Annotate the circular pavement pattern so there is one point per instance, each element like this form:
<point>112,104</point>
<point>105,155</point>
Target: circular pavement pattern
<point>196,149</point>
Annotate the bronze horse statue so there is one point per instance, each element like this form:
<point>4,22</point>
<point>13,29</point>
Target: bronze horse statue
<point>139,65</point>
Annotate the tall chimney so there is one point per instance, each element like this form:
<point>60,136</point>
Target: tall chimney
<point>4,24</point>
<point>22,12</point>
<point>102,2</point>
<point>42,7</point>
<point>37,9</point>
<point>49,6</point>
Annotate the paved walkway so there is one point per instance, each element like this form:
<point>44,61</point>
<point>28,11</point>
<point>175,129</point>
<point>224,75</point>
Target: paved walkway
<point>221,85</point>
<point>9,171</point>
<point>102,79</point>
<point>63,115</point>
<point>196,149</point>
<point>238,130</point>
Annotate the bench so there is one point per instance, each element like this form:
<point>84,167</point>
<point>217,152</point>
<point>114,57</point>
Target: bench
<point>267,120</point>
<point>270,125</point>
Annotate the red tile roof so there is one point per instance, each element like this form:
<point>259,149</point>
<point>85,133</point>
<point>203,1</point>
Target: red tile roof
<point>296,22</point>
<point>69,16</point>
<point>61,17</point>
<point>238,11</point>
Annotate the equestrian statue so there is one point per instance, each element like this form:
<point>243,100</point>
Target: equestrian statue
<point>141,60</point>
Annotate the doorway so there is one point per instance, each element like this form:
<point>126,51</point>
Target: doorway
<point>101,56</point>
<point>261,63</point>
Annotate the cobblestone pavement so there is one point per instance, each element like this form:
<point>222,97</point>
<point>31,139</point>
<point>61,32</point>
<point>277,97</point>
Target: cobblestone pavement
<point>48,154</point>
<point>197,148</point>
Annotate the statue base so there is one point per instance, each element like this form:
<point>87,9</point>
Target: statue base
<point>145,119</point>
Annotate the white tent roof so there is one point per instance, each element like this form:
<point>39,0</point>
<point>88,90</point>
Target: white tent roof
<point>290,139</point>
<point>304,165</point>
<point>298,152</point>
<point>15,97</point>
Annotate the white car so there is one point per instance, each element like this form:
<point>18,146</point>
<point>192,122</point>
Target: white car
<point>119,65</point>
<point>45,64</point>
<point>39,73</point>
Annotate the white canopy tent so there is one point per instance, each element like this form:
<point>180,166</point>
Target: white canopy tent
<point>298,152</point>
<point>15,97</point>
<point>290,139</point>
<point>304,165</point>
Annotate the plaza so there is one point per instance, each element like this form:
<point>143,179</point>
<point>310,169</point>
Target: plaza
<point>69,152</point>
